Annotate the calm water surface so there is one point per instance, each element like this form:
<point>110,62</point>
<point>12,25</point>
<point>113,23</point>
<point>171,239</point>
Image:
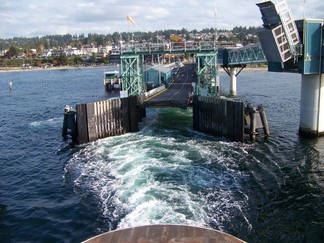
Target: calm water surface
<point>268,191</point>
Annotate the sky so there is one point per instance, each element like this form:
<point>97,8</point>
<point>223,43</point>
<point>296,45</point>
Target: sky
<point>30,18</point>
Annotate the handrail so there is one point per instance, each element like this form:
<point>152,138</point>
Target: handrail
<point>168,47</point>
<point>248,54</point>
<point>252,53</point>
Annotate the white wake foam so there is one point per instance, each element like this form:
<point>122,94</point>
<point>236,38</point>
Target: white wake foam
<point>146,179</point>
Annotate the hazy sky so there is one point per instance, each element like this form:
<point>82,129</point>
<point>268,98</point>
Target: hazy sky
<point>29,18</point>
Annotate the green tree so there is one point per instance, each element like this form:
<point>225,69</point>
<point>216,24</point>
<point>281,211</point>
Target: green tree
<point>77,60</point>
<point>63,60</point>
<point>60,60</point>
<point>12,52</point>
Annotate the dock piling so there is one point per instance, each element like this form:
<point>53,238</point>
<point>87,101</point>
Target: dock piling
<point>255,118</point>
<point>264,120</point>
<point>219,117</point>
<point>69,125</point>
<point>101,119</point>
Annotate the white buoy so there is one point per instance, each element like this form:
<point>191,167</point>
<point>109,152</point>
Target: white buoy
<point>10,85</point>
<point>312,105</point>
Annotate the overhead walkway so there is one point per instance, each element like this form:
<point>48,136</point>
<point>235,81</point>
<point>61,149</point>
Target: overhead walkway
<point>169,47</point>
<point>244,55</point>
<point>226,56</point>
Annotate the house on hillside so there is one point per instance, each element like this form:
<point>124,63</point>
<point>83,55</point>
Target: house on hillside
<point>73,51</point>
<point>2,52</point>
<point>89,50</point>
<point>105,49</point>
<point>47,53</point>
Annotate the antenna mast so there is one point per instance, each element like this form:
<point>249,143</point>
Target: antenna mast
<point>215,13</point>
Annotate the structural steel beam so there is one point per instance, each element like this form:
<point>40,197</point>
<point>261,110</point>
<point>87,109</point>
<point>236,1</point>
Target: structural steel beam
<point>245,55</point>
<point>131,73</point>
<point>207,71</point>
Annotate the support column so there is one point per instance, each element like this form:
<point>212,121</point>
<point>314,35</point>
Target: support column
<point>312,105</point>
<point>233,74</point>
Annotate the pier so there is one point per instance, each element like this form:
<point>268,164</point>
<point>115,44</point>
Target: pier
<point>101,119</point>
<point>285,44</point>
<point>214,115</point>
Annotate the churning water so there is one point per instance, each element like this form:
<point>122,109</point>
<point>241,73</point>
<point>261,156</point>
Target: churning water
<point>268,191</point>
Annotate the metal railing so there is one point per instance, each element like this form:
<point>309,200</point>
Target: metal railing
<point>168,47</point>
<point>243,55</point>
<point>247,54</point>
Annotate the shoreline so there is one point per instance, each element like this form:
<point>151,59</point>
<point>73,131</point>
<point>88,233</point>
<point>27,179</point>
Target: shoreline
<point>251,69</point>
<point>19,69</point>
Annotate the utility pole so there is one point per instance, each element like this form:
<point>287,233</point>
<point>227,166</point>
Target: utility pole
<point>215,14</point>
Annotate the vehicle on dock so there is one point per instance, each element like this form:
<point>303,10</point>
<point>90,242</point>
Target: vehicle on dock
<point>112,80</point>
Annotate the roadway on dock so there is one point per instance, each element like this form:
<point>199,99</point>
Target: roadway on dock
<point>177,94</point>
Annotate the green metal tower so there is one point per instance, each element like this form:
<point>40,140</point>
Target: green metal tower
<point>132,74</point>
<point>207,72</point>
<point>206,53</point>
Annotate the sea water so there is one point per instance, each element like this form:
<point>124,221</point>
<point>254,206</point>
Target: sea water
<point>271,190</point>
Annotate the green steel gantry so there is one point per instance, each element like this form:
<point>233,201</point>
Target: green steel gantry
<point>207,72</point>
<point>132,74</point>
<point>244,55</point>
<point>207,58</point>
<point>132,66</point>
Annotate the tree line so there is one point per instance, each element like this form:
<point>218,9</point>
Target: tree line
<point>60,60</point>
<point>238,34</point>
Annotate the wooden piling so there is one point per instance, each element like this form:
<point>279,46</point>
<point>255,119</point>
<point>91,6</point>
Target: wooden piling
<point>252,114</point>
<point>82,124</point>
<point>104,119</point>
<point>133,113</point>
<point>219,117</point>
<point>125,115</point>
<point>264,120</point>
<point>69,125</point>
<point>107,118</point>
<point>65,128</point>
<point>256,119</point>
